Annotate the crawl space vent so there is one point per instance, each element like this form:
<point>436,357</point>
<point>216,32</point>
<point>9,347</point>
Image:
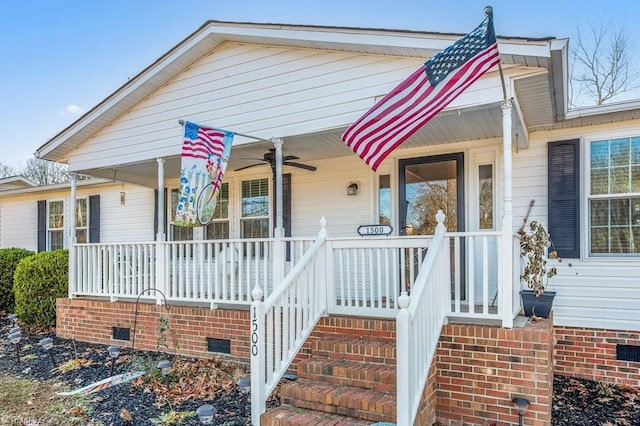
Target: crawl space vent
<point>628,353</point>
<point>222,346</point>
<point>120,333</point>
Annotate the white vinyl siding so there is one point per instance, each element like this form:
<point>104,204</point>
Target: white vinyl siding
<point>258,90</point>
<point>591,292</point>
<point>128,222</point>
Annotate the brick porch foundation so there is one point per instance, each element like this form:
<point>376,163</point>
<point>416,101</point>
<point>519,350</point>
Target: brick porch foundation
<point>477,371</point>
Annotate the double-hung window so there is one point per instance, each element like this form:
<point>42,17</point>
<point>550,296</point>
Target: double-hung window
<point>614,196</point>
<point>254,222</point>
<point>55,225</point>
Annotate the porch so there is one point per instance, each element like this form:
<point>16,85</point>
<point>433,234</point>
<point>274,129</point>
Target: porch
<point>360,276</point>
<point>289,284</point>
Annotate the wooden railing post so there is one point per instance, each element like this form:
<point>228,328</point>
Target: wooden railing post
<point>403,327</point>
<point>160,270</point>
<point>257,347</point>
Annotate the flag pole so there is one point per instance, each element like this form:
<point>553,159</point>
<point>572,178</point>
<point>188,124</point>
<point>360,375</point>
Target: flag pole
<point>181,122</point>
<point>489,12</point>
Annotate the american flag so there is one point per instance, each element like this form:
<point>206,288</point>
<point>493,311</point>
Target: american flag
<point>201,142</point>
<point>420,97</point>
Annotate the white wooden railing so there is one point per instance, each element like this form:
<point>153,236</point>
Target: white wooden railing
<point>370,273</point>
<point>213,272</point>
<point>281,324</point>
<point>475,261</point>
<point>419,322</point>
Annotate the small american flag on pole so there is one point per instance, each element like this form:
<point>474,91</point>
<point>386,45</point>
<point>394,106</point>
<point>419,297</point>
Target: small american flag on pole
<point>420,97</point>
<point>205,154</point>
<point>201,142</point>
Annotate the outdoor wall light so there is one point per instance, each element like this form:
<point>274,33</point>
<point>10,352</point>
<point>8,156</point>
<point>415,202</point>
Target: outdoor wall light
<point>206,413</point>
<point>15,339</point>
<point>114,352</point>
<point>245,387</point>
<point>521,405</point>
<point>123,198</point>
<point>352,189</point>
<point>165,367</point>
<point>47,345</point>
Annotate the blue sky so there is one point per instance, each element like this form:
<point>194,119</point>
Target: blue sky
<point>62,57</point>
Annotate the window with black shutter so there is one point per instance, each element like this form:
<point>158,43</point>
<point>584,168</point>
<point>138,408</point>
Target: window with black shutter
<point>564,197</point>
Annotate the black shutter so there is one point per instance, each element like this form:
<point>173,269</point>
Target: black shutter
<point>286,204</point>
<point>155,213</point>
<point>564,197</point>
<point>42,225</point>
<point>94,218</point>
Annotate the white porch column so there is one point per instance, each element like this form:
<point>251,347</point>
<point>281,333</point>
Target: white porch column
<point>506,283</point>
<point>278,252</point>
<point>160,236</point>
<point>71,237</point>
<point>161,253</point>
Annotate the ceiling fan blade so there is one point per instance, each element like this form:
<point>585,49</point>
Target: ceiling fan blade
<point>290,157</point>
<point>247,167</point>
<point>254,159</point>
<point>302,166</point>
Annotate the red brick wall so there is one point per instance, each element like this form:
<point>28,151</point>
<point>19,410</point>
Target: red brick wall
<point>591,354</point>
<point>482,368</point>
<point>478,369</point>
<point>189,327</point>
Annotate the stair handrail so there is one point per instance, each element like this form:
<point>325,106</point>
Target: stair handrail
<point>281,324</point>
<point>419,324</point>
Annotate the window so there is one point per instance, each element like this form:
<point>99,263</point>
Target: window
<point>55,225</point>
<point>384,200</point>
<point>614,196</point>
<point>485,196</point>
<point>81,220</point>
<point>177,233</point>
<point>255,209</point>
<point>218,228</point>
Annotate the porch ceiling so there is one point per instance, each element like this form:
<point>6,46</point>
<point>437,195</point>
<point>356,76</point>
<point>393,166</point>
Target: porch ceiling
<point>449,127</point>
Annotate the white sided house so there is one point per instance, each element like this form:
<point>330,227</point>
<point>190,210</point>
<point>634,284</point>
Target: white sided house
<point>296,267</point>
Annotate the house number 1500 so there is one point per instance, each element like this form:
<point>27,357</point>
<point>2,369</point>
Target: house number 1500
<point>254,333</point>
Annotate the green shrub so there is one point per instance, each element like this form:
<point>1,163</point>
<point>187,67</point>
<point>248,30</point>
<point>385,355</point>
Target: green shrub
<point>39,280</point>
<point>9,259</point>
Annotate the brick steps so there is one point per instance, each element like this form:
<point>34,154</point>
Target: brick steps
<point>331,398</point>
<point>346,380</point>
<point>366,375</point>
<point>357,349</point>
<point>291,416</point>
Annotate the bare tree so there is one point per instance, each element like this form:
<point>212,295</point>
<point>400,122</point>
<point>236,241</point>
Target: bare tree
<point>42,172</point>
<point>601,65</point>
<point>6,171</point>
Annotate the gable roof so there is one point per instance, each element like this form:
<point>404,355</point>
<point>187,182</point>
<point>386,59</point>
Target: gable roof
<point>535,52</point>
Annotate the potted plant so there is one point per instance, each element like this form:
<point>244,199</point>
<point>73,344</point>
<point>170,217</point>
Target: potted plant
<point>534,244</point>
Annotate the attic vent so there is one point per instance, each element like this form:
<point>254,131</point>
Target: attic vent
<point>222,346</point>
<point>120,333</point>
<point>628,353</point>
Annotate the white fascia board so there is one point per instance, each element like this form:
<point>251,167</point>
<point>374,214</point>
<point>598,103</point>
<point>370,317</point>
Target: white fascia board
<point>603,109</point>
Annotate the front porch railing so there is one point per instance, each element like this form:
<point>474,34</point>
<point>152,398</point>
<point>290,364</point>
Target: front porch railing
<point>419,322</point>
<point>212,272</point>
<point>281,324</point>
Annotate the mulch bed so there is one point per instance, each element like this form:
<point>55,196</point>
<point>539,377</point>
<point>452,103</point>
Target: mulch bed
<point>194,382</point>
<point>191,383</point>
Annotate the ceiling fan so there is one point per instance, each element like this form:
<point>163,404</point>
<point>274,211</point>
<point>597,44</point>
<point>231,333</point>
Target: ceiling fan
<point>270,158</point>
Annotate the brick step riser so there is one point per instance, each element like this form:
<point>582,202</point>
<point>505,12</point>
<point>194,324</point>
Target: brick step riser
<point>352,404</point>
<point>360,352</point>
<point>377,377</point>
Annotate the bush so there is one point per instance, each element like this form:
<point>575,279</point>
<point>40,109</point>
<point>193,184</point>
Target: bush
<point>39,280</point>
<point>9,259</point>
